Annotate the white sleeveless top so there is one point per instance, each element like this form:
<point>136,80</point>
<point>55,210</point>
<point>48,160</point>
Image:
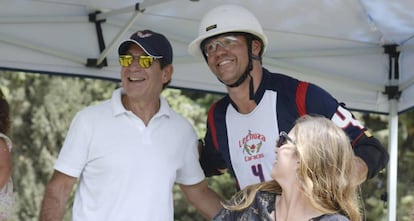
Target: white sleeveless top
<point>6,193</point>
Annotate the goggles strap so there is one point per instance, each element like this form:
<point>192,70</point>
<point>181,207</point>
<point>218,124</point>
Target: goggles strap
<point>249,68</point>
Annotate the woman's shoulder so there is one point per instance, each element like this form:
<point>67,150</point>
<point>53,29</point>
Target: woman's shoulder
<point>265,198</point>
<point>260,209</point>
<point>6,140</point>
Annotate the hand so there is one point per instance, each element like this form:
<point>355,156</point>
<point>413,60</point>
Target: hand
<point>360,171</point>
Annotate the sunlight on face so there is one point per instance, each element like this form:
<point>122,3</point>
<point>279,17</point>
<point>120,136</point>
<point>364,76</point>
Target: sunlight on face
<point>142,83</point>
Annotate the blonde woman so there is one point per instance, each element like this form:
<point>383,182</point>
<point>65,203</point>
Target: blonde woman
<point>6,185</point>
<point>311,175</point>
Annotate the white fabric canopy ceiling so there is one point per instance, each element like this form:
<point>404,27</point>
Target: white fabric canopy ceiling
<point>339,45</point>
<point>336,44</point>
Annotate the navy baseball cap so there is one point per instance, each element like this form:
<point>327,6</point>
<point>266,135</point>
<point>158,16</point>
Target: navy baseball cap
<point>153,44</point>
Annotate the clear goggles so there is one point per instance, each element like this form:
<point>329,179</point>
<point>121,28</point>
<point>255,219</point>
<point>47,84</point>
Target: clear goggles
<point>226,42</point>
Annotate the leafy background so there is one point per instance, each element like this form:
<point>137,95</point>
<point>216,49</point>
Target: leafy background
<point>44,105</point>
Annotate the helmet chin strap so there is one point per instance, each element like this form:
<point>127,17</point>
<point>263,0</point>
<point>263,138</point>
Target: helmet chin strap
<point>249,67</point>
<point>246,73</point>
<point>243,78</point>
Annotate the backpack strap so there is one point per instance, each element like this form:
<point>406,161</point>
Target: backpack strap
<point>301,97</point>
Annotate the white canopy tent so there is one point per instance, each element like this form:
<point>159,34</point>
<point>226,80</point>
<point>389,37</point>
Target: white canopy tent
<point>361,51</point>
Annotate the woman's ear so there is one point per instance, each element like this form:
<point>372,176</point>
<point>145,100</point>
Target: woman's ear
<point>297,165</point>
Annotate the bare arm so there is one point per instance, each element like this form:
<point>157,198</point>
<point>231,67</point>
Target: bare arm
<point>361,171</point>
<point>204,199</point>
<point>56,195</point>
<point>5,163</point>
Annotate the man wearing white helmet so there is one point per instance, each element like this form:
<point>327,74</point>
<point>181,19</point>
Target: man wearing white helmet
<point>242,127</point>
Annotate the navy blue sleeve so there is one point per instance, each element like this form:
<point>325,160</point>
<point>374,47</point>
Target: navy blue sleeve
<point>320,102</point>
<point>211,159</point>
<point>367,147</point>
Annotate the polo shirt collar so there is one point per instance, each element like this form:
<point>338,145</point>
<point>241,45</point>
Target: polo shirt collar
<point>118,108</point>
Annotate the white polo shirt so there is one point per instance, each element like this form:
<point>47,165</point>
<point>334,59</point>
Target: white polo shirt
<point>126,169</point>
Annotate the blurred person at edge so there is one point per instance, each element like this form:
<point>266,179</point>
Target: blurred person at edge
<point>242,126</point>
<point>128,151</point>
<point>6,184</point>
<point>310,179</point>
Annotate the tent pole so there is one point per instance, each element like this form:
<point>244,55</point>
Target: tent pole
<point>131,21</point>
<point>394,92</point>
<point>101,60</point>
<point>393,162</point>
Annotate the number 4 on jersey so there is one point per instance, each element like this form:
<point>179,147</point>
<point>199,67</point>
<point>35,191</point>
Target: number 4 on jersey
<point>258,171</point>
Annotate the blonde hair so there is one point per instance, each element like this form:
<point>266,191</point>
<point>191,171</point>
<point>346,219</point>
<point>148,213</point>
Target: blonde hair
<point>326,158</point>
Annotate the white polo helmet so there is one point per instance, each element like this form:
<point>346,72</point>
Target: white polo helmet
<point>223,19</point>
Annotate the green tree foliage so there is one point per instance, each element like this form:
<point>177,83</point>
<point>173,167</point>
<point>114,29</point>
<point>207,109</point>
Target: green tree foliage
<point>374,192</point>
<point>42,109</point>
<point>405,182</point>
<point>44,105</point>
<point>194,107</point>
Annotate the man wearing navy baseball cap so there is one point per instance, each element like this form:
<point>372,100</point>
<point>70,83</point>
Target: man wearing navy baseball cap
<point>128,152</point>
<point>153,44</point>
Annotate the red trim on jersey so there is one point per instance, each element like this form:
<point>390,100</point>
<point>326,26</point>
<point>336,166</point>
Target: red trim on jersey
<point>213,129</point>
<point>357,138</point>
<point>301,97</point>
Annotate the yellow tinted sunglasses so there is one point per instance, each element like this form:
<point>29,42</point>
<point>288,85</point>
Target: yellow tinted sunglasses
<point>144,61</point>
